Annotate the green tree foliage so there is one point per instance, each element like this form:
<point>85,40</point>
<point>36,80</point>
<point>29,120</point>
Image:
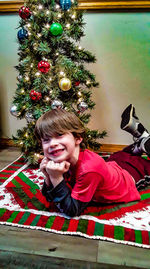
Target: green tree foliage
<point>38,91</point>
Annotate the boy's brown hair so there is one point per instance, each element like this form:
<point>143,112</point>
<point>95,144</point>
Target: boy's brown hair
<point>59,121</point>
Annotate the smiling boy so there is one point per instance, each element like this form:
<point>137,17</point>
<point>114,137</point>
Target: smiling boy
<point>90,177</point>
<point>61,151</point>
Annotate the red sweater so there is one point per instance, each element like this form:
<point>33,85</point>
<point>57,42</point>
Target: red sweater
<point>101,181</point>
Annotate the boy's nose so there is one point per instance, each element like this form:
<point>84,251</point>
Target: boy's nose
<point>53,142</point>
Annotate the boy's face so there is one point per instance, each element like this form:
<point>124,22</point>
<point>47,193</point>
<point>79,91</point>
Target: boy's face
<point>61,148</point>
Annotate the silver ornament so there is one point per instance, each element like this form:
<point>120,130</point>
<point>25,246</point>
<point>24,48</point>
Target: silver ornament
<point>56,104</point>
<point>82,106</point>
<point>13,111</point>
<point>29,117</point>
<point>19,77</point>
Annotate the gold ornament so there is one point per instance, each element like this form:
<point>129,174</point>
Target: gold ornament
<point>65,84</point>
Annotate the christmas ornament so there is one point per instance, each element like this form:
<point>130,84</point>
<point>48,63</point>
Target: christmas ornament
<point>24,12</point>
<point>56,104</point>
<point>29,117</point>
<point>65,84</point>
<point>82,106</point>
<point>43,66</point>
<point>56,29</point>
<point>65,4</point>
<point>14,112</point>
<point>19,77</point>
<point>22,34</point>
<point>35,96</point>
<point>77,83</point>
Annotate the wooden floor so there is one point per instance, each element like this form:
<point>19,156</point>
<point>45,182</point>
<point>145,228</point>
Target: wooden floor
<point>24,248</point>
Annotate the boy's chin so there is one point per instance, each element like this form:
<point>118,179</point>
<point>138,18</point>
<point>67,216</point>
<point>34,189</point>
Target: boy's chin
<point>56,160</point>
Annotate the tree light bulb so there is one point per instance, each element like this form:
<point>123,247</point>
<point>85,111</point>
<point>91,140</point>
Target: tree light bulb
<point>57,53</point>
<point>68,25</point>
<point>57,6</point>
<point>26,78</point>
<point>37,74</point>
<point>79,93</point>
<point>62,73</point>
<point>31,65</point>
<point>21,143</point>
<point>80,48</point>
<point>80,100</point>
<point>47,12</point>
<point>39,35</point>
<point>50,79</point>
<point>73,16</point>
<point>40,7</point>
<point>59,15</point>
<point>88,82</point>
<point>26,134</point>
<point>45,59</point>
<point>22,91</point>
<point>28,25</point>
<point>36,156</point>
<point>47,25</point>
<point>47,98</point>
<point>35,46</point>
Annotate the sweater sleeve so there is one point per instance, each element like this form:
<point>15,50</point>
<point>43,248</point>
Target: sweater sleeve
<point>87,185</point>
<point>61,196</point>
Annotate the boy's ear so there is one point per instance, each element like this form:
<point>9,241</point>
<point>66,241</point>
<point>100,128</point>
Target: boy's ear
<point>78,140</point>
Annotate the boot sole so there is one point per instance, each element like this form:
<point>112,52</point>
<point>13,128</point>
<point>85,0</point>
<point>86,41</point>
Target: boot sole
<point>126,117</point>
<point>147,146</point>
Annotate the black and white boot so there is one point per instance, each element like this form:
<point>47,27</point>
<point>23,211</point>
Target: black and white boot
<point>131,124</point>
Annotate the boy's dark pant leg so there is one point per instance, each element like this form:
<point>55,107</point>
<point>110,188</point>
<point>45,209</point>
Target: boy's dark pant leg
<point>137,166</point>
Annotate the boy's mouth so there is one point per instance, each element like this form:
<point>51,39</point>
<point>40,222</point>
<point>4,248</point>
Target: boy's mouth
<point>56,152</point>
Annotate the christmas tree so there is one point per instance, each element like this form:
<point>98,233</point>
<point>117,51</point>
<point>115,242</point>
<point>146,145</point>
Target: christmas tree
<point>51,72</point>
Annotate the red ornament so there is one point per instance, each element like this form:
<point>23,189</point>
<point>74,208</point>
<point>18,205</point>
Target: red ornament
<point>77,83</point>
<point>43,66</point>
<point>35,96</point>
<point>24,12</point>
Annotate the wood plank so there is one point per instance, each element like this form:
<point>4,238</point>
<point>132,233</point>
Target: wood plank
<point>13,260</point>
<point>111,147</point>
<point>9,155</point>
<point>42,243</point>
<point>13,6</point>
<point>112,253</point>
<point>24,248</point>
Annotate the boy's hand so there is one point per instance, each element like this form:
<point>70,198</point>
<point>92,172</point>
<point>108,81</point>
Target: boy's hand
<point>56,171</point>
<point>43,165</point>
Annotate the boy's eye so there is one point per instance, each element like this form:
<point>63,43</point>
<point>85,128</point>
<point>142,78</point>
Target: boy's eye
<point>46,139</point>
<point>59,134</point>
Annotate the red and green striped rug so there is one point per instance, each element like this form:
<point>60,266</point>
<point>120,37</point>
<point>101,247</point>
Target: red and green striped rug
<point>23,205</point>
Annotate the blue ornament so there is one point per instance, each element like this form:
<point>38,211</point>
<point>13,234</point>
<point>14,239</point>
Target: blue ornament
<point>65,4</point>
<point>22,34</point>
